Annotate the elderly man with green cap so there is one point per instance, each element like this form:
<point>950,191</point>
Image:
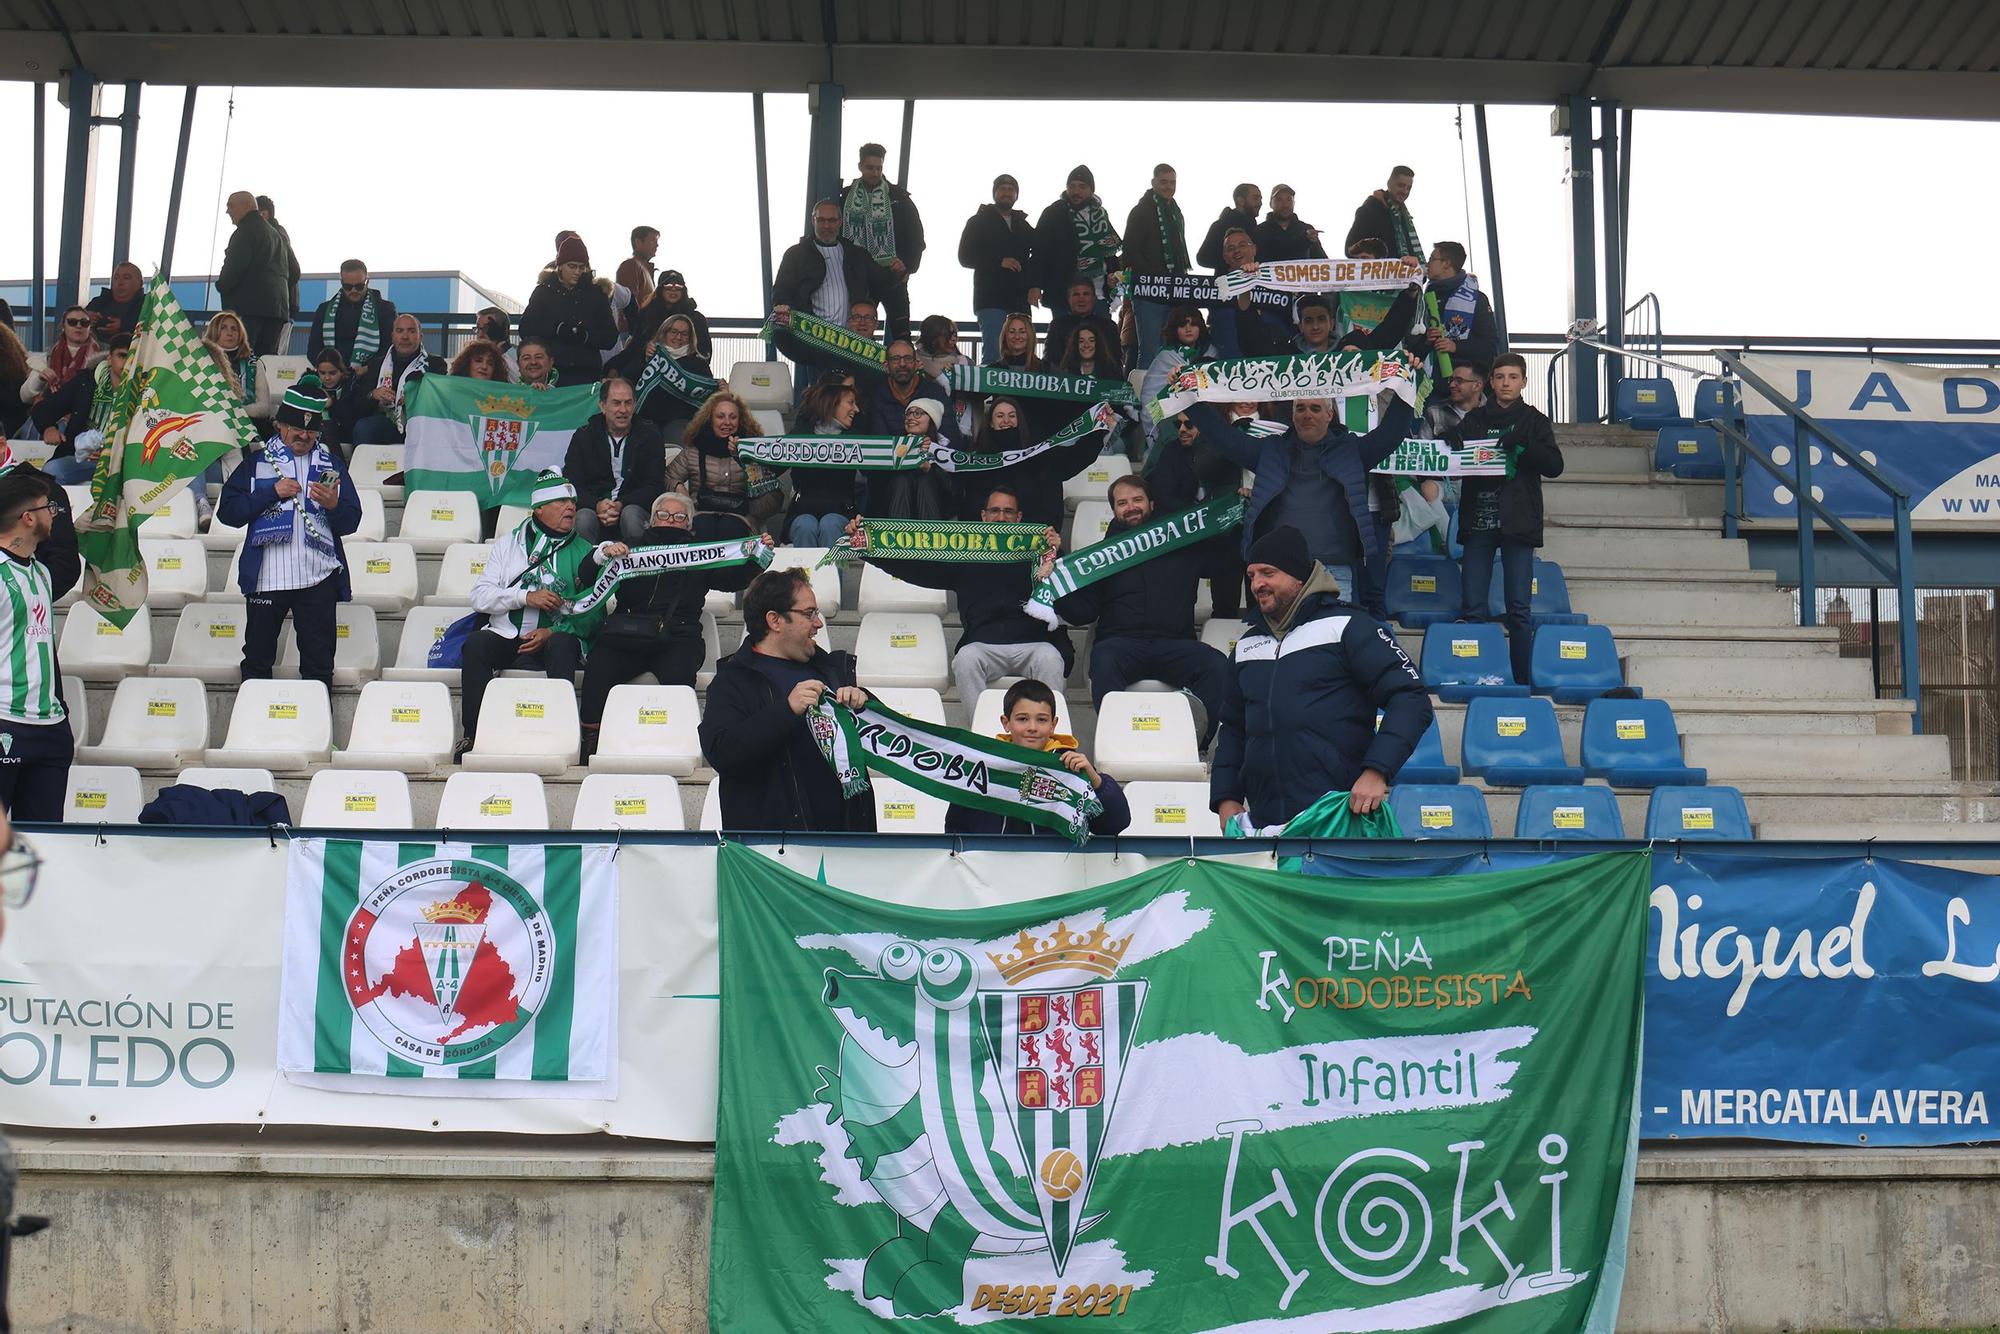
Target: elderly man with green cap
<point>299,502</point>
<point>532,575</point>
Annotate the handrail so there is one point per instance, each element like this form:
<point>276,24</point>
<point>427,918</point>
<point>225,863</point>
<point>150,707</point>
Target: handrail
<point>1657,332</point>
<point>1805,430</point>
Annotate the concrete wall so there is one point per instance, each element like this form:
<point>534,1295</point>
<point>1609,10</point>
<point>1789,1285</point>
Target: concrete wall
<point>310,1233</point>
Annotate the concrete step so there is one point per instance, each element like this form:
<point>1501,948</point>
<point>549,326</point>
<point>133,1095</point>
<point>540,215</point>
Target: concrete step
<point>1826,680</point>
<point>1986,837</point>
<point>1669,602</point>
<point>1830,717</point>
<point>1668,551</point>
<point>1850,758</point>
<point>1632,521</point>
<point>1600,433</point>
<point>1733,642</point>
<point>1615,494</point>
<point>1632,459</point>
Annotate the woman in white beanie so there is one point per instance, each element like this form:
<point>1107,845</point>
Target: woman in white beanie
<point>929,492</point>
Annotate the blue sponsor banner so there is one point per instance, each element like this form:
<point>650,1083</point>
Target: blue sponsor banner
<point>1935,431</point>
<point>1829,1001</point>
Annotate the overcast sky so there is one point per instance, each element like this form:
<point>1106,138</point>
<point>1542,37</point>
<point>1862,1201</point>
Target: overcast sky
<point>1741,224</point>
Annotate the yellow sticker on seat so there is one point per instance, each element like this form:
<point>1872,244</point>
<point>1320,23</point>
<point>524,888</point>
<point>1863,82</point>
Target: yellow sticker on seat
<point>167,563</point>
<point>1435,817</point>
<point>902,641</point>
<point>443,515</point>
<point>358,803</point>
<point>1145,722</point>
<point>1511,726</point>
<point>161,708</point>
<point>1688,446</point>
<point>222,630</point>
<point>628,805</point>
<point>529,709</point>
<point>406,715</point>
<point>1697,817</point>
<point>1572,649</point>
<point>281,711</point>
<point>1169,815</point>
<point>1423,583</point>
<point>1464,648</point>
<point>92,801</point>
<point>1631,729</point>
<point>899,810</point>
<point>497,806</point>
<point>1569,817</point>
<point>653,717</point>
<point>377,565</point>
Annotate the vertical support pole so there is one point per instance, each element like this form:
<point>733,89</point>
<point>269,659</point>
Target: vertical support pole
<point>763,205</point>
<point>38,300</point>
<point>1906,614</point>
<point>823,148</point>
<point>903,153</point>
<point>128,160</point>
<point>1625,201</point>
<point>1614,252</point>
<point>1492,220</point>
<point>1802,447</point>
<point>1583,260</point>
<point>180,179</point>
<point>79,188</point>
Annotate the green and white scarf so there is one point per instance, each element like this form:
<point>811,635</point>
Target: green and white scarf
<point>1097,241</point>
<point>1038,384</point>
<point>1321,275</point>
<point>1094,421</point>
<point>103,395</point>
<point>367,329</point>
<point>1405,228</point>
<point>954,540</point>
<point>954,765</point>
<point>840,344</point>
<point>1173,229</point>
<point>1343,374</point>
<point>1437,458</point>
<point>867,453</point>
<point>672,558</point>
<point>869,220</point>
<point>663,371</point>
<point>1115,555</point>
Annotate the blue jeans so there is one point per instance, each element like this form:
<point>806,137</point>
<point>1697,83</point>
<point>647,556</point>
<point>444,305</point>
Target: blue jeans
<point>376,429</point>
<point>990,319</point>
<point>70,469</point>
<point>817,530</point>
<point>1517,573</point>
<point>1147,316</point>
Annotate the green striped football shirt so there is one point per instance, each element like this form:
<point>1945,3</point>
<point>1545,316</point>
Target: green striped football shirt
<point>27,630</point>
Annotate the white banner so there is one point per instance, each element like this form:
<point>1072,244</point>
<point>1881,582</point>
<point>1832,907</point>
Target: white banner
<point>1322,275</point>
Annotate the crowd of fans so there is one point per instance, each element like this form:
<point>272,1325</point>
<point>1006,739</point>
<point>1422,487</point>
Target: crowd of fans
<point>1318,532</point>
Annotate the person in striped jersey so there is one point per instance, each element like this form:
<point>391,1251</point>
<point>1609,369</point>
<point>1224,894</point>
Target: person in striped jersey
<point>299,502</point>
<point>36,744</point>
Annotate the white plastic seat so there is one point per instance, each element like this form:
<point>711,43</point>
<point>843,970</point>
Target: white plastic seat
<point>220,779</point>
<point>825,578</point>
<point>511,517</point>
<point>493,801</point>
<point>764,386</point>
<point>1094,482</point>
<point>220,536</point>
<point>357,645</point>
<point>176,570</point>
<point>628,801</point>
<point>882,591</point>
<point>461,565</point>
<point>650,730</point>
<point>374,525</point>
<point>902,649</point>
<point>1087,527</point>
<point>383,574</point>
<point>208,642</point>
<point>901,809</point>
<point>526,725</point>
<point>1143,735</point>
<point>173,519</point>
<point>1174,810</point>
<point>275,374</point>
<point>408,726</point>
<point>96,650</point>
<point>423,627</point>
<point>715,602</point>
<point>76,703</point>
<point>358,799</point>
<point>711,651</point>
<point>919,702</point>
<point>156,722</point>
<point>1221,635</point>
<point>985,715</point>
<point>231,587</point>
<point>103,794</point>
<point>711,807</point>
<point>33,450</point>
<point>433,520</point>
<point>280,725</point>
<point>372,465</point>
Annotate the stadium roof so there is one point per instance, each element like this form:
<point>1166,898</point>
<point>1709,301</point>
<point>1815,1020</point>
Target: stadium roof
<point>1938,58</point>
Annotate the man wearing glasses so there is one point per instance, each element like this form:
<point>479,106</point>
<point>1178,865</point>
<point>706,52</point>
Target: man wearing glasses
<point>36,745</point>
<point>357,320</point>
<point>754,731</point>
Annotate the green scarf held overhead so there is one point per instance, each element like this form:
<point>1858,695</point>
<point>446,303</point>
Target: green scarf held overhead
<point>1173,229</point>
<point>843,345</point>
<point>671,558</point>
<point>957,541</point>
<point>863,453</point>
<point>1115,555</point>
<point>1097,241</point>
<point>954,765</point>
<point>1405,228</point>
<point>1011,383</point>
<point>868,219</point>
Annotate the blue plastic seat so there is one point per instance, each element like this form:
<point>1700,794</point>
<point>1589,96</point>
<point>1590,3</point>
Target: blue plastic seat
<point>1688,451</point>
<point>1426,764</point>
<point>1468,661</point>
<point>1515,743</point>
<point>1422,590</point>
<point>1645,399</point>
<point>1717,400</point>
<point>1697,812</point>
<point>1634,743</point>
<point>1574,664</point>
<point>1548,595</point>
<point>1568,811</point>
<point>1432,810</point>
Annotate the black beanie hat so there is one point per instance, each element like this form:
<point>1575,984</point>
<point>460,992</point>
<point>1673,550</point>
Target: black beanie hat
<point>1284,548</point>
<point>1082,173</point>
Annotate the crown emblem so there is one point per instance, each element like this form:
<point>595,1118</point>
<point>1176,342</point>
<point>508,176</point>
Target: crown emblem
<point>513,405</point>
<point>464,907</point>
<point>1095,953</point>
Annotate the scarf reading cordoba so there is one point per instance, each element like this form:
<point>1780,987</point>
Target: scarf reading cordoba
<point>1334,375</point>
<point>842,345</point>
<point>1038,384</point>
<point>1115,555</point>
<point>671,558</point>
<point>961,767</point>
<point>961,541</point>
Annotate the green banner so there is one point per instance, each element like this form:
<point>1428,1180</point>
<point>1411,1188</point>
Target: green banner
<point>1204,1098</point>
<point>1010,383</point>
<point>830,340</point>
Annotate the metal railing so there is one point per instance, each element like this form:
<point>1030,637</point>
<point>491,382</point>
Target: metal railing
<point>1806,506</point>
<point>1642,331</point>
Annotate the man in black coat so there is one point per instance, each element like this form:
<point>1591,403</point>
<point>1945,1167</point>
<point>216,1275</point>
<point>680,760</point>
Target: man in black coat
<point>1241,213</point>
<point>117,307</point>
<point>880,217</point>
<point>1298,720</point>
<point>357,320</point>
<point>1283,234</point>
<point>1385,216</point>
<point>618,464</point>
<point>822,275</point>
<point>255,280</point>
<point>754,730</point>
<point>377,390</point>
<point>1145,614</point>
<point>884,402</point>
<point>1059,232</point>
<point>571,315</point>
<point>998,246</point>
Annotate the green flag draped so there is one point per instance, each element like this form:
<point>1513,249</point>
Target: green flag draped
<point>489,438</point>
<point>1203,1098</point>
<point>173,415</point>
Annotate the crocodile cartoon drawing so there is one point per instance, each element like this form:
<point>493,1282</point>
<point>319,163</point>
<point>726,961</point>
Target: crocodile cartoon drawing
<point>914,1086</point>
